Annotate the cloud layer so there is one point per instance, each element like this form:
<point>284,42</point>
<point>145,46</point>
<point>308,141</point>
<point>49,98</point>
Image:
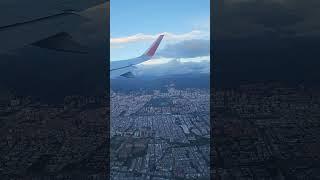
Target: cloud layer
<point>250,18</point>
<point>95,30</point>
<point>168,36</point>
<point>186,49</point>
<point>185,57</point>
<point>174,67</point>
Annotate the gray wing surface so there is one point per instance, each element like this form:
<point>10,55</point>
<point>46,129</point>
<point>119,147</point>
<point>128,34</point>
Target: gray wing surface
<point>34,21</point>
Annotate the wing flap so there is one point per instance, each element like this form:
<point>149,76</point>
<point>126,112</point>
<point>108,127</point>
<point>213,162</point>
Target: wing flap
<point>61,42</point>
<point>128,75</point>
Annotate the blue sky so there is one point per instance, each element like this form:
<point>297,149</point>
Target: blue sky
<point>135,24</point>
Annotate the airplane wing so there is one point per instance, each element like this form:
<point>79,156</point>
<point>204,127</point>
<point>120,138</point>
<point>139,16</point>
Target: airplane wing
<point>45,24</point>
<point>125,67</point>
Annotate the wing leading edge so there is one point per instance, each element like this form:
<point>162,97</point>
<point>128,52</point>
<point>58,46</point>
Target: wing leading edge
<point>47,27</point>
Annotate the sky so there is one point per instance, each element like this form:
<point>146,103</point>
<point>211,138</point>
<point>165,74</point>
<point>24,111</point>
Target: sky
<point>263,41</point>
<point>134,25</point>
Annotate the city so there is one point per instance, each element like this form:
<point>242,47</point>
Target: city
<point>160,134</point>
<point>53,141</point>
<point>265,131</point>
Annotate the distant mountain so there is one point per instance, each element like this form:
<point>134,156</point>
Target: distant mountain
<point>151,83</point>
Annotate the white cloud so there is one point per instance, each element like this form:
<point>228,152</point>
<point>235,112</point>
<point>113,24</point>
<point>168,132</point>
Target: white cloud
<point>93,29</point>
<point>196,59</point>
<point>196,34</point>
<point>158,61</point>
<point>170,66</point>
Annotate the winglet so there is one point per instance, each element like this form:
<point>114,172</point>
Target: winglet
<point>151,51</point>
